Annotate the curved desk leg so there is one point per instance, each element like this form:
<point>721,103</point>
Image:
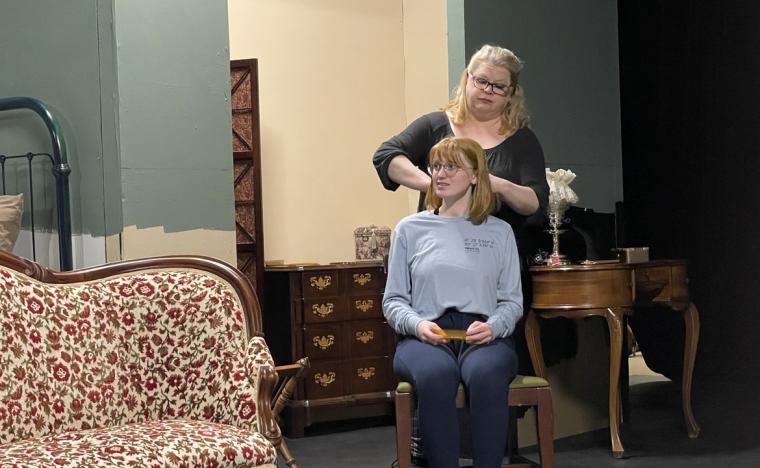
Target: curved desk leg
<point>691,321</point>
<point>533,340</point>
<point>614,319</point>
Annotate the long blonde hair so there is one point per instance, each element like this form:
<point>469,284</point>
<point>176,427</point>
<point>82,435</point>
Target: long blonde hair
<point>515,113</point>
<point>465,152</point>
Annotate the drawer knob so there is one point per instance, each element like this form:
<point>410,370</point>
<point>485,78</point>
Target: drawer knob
<point>324,342</point>
<point>320,282</point>
<point>365,373</point>
<point>362,278</point>
<point>365,336</point>
<point>324,379</point>
<point>322,310</point>
<point>365,304</point>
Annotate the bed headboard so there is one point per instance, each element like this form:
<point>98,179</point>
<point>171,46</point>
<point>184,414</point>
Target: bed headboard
<point>60,171</point>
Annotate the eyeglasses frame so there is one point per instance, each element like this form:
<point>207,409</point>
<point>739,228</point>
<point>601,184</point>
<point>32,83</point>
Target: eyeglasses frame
<point>507,90</point>
<point>450,172</point>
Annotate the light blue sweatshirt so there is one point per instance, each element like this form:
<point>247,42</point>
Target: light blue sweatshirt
<point>437,263</point>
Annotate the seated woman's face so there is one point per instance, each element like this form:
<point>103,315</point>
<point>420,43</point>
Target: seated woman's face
<point>451,179</point>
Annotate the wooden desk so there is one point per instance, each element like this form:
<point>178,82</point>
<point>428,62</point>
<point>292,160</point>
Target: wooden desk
<point>612,291</point>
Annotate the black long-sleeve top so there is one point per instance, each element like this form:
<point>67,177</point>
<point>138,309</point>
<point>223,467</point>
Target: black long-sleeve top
<point>518,159</point>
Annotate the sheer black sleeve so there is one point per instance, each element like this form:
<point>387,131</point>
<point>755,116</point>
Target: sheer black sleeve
<point>532,167</point>
<point>414,142</point>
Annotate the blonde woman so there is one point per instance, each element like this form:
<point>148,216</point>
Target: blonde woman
<point>455,267</point>
<point>488,107</point>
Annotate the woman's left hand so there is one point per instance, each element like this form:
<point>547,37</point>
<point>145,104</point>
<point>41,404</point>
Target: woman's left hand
<point>479,333</point>
<point>523,200</point>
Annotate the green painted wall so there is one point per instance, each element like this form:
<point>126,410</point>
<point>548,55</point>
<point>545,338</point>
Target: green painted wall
<point>109,92</point>
<point>174,121</point>
<point>49,50</point>
<point>142,91</point>
<point>571,78</point>
<point>455,31</point>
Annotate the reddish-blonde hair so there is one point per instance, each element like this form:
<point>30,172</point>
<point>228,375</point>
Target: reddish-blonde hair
<point>464,152</point>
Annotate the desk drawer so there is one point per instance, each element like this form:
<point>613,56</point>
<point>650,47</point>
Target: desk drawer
<point>370,375</point>
<point>324,309</point>
<point>368,338</point>
<point>326,379</point>
<point>365,279</point>
<point>661,284</point>
<point>324,341</point>
<point>366,306</point>
<point>320,283</point>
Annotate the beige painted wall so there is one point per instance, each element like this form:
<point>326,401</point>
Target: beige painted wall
<point>336,78</point>
<point>154,241</point>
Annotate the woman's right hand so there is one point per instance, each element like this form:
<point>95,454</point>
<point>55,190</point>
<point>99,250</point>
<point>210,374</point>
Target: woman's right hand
<point>402,171</point>
<point>430,332</point>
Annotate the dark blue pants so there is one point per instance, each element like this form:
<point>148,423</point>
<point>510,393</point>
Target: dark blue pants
<point>436,371</point>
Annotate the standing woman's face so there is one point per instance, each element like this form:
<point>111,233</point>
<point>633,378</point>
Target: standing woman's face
<point>488,91</point>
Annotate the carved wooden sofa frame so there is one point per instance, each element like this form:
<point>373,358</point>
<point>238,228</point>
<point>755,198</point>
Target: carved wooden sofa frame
<point>160,361</point>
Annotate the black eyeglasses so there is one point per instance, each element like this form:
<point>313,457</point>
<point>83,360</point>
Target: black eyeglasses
<point>496,88</point>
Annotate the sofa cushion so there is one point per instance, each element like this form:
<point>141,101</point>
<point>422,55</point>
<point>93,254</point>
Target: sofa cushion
<point>164,443</point>
<point>163,344</point>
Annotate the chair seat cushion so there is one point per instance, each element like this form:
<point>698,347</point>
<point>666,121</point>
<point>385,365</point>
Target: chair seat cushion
<point>520,381</point>
<point>177,442</point>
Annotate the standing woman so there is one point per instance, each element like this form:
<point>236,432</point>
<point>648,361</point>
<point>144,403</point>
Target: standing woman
<point>488,107</point>
<point>456,267</point>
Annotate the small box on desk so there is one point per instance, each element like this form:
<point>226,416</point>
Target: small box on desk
<point>372,242</point>
<point>633,254</point>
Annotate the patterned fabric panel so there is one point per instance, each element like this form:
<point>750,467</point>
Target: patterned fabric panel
<point>148,346</point>
<point>180,443</point>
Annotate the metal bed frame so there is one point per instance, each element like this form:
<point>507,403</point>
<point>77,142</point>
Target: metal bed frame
<point>60,169</point>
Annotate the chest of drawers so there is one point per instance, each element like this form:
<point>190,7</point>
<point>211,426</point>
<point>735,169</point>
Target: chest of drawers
<point>331,314</point>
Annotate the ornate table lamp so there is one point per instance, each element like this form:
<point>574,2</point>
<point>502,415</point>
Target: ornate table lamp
<point>561,196</point>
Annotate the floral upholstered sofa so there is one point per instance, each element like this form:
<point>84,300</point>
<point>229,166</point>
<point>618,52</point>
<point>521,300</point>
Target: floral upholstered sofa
<point>155,362</point>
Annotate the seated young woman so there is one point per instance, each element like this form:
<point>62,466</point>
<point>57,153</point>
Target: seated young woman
<point>453,296</point>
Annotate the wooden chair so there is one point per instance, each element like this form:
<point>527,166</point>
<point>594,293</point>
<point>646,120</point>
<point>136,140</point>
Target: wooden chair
<point>523,391</point>
<point>289,375</point>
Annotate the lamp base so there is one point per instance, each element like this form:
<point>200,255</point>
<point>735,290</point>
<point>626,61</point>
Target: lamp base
<point>557,260</point>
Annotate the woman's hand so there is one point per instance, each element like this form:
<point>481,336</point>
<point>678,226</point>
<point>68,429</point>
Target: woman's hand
<point>521,199</point>
<point>403,171</point>
<point>430,332</point>
<point>479,333</point>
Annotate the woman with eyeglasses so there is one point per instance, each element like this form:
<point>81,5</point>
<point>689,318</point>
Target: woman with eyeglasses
<point>488,107</point>
<point>453,296</point>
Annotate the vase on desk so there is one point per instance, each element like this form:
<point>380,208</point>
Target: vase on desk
<point>556,212</point>
<point>561,196</point>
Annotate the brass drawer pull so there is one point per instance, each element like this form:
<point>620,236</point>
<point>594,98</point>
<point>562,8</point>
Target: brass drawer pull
<point>365,304</point>
<point>324,342</point>
<point>362,278</point>
<point>320,282</point>
<point>365,336</point>
<point>365,373</point>
<point>324,379</point>
<point>322,310</point>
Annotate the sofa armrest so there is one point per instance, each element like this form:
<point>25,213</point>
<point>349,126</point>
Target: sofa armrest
<point>266,420</point>
<point>289,377</point>
<point>259,369</point>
